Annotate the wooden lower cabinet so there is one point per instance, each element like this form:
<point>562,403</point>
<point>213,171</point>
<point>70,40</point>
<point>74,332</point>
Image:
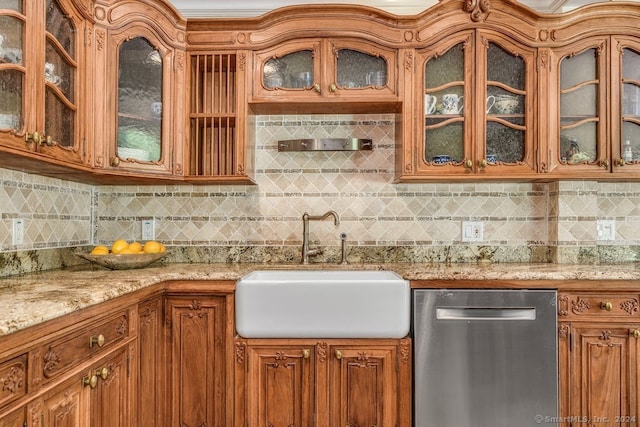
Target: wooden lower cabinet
<point>96,397</point>
<point>17,418</point>
<point>599,360</point>
<point>323,383</point>
<point>150,407</point>
<point>197,371</point>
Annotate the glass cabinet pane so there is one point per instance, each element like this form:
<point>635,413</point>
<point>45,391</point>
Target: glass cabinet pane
<point>443,107</point>
<point>357,69</point>
<point>11,73</point>
<point>139,101</point>
<point>11,5</point>
<point>579,86</point>
<point>294,70</point>
<point>11,40</point>
<point>630,106</point>
<point>59,74</point>
<point>505,106</point>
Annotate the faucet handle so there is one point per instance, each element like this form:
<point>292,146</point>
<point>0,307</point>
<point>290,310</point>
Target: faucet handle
<point>343,238</point>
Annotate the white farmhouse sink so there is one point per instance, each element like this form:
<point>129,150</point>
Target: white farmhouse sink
<point>322,304</point>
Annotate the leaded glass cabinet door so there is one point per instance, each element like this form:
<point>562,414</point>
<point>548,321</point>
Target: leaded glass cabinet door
<point>582,106</point>
<point>507,107</point>
<point>140,108</point>
<point>60,77</point>
<point>361,69</point>
<point>446,95</point>
<point>12,71</point>
<point>291,68</point>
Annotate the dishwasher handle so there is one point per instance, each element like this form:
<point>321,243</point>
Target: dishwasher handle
<point>485,313</point>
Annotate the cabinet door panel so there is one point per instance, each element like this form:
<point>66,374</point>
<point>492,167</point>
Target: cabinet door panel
<point>364,386</point>
<point>602,375</point>
<point>280,386</point>
<point>150,385</point>
<point>197,362</point>
<point>110,399</point>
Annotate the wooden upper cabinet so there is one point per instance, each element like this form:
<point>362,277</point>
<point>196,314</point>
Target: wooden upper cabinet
<point>141,65</point>
<point>579,142</point>
<point>475,115</point>
<point>42,55</point>
<point>313,70</point>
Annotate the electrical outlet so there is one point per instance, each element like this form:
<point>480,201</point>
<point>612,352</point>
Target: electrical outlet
<point>606,229</point>
<point>18,231</point>
<point>472,231</point>
<point>148,229</point>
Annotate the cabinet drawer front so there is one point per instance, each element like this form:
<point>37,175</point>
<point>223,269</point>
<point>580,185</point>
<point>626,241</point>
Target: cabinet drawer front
<point>81,344</point>
<point>598,306</point>
<point>13,379</point>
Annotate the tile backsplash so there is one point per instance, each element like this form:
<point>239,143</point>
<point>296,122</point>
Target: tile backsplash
<point>523,222</point>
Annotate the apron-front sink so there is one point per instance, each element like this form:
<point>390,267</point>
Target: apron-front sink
<point>322,304</point>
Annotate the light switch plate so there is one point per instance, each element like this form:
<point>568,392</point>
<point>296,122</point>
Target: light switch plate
<point>606,229</point>
<point>472,231</point>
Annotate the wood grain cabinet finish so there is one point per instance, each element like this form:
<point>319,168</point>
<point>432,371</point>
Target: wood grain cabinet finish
<point>323,382</point>
<point>143,61</point>
<point>325,70</point>
<point>150,384</point>
<point>43,69</point>
<point>598,359</point>
<point>197,371</point>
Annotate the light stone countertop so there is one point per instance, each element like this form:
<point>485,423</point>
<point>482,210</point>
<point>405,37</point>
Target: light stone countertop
<point>34,298</point>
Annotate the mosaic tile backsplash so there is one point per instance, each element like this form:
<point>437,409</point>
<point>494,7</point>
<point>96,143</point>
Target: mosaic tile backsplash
<point>523,222</point>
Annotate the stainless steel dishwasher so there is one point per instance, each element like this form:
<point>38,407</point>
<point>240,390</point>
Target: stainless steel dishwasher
<point>485,358</point>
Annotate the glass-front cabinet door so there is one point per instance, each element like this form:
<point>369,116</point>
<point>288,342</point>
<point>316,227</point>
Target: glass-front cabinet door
<point>42,62</point>
<point>579,121</point>
<point>139,135</point>
<point>476,98</point>
<point>312,69</point>
<point>626,127</point>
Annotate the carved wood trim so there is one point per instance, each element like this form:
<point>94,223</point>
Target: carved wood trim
<point>563,330</point>
<point>321,349</point>
<point>241,352</point>
<point>563,305</point>
<point>477,9</point>
<point>579,306</point>
<point>405,351</point>
<point>630,306</point>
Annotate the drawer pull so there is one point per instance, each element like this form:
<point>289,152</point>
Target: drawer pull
<point>90,381</point>
<point>96,340</point>
<point>634,333</point>
<point>338,354</point>
<point>306,353</point>
<point>606,306</point>
<point>102,373</point>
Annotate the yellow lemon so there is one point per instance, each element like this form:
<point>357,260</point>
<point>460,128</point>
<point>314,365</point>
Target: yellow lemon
<point>135,247</point>
<point>151,247</point>
<point>163,248</point>
<point>100,250</point>
<point>127,251</point>
<point>119,245</point>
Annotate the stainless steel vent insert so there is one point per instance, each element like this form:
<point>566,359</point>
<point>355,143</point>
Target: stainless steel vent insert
<point>326,144</point>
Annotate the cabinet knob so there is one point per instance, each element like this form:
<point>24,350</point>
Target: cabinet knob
<point>482,164</point>
<point>96,340</point>
<point>47,140</point>
<point>606,306</point>
<point>604,163</point>
<point>338,354</point>
<point>306,353</point>
<point>468,164</point>
<point>620,162</point>
<point>102,373</point>
<point>33,137</point>
<point>333,87</point>
<point>316,88</point>
<point>634,333</point>
<point>115,162</point>
<point>91,381</point>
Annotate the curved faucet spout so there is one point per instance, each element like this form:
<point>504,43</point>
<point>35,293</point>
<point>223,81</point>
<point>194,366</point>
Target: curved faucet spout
<point>306,251</point>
